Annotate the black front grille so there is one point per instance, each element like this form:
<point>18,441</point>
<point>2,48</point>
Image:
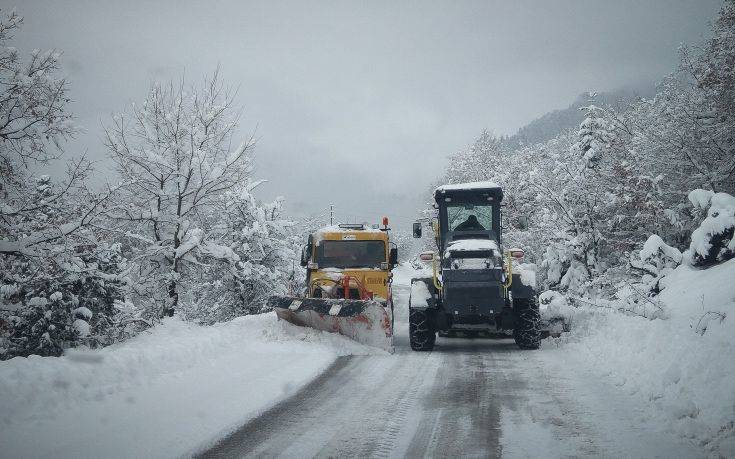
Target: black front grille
<point>466,298</point>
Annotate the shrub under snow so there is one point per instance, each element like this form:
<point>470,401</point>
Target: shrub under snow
<point>655,260</point>
<point>713,240</point>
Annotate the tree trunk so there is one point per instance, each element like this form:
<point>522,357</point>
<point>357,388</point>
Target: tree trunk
<point>173,296</point>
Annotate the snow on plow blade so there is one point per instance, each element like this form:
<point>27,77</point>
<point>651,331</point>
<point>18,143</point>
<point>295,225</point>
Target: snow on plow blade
<point>365,321</point>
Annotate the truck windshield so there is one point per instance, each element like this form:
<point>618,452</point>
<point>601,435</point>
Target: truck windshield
<point>469,217</point>
<point>350,254</point>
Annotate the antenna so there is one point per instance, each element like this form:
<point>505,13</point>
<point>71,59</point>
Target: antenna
<point>331,214</point>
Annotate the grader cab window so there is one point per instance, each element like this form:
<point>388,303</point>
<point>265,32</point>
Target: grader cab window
<point>470,217</point>
<point>350,254</point>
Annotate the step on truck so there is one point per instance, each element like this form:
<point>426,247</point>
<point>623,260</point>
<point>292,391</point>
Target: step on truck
<point>473,288</point>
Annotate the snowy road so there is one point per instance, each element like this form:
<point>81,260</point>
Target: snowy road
<point>469,398</point>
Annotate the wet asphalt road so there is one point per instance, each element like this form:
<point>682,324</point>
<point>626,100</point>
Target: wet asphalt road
<point>442,403</point>
<point>467,398</point>
<point>438,404</point>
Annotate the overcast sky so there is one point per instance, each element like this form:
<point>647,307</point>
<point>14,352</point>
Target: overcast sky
<point>359,103</point>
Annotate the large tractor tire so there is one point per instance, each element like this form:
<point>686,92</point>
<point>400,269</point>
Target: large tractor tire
<point>527,331</point>
<point>421,333</point>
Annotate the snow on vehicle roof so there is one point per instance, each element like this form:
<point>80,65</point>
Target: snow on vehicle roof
<point>321,233</point>
<point>348,228</point>
<point>467,186</point>
<point>471,245</point>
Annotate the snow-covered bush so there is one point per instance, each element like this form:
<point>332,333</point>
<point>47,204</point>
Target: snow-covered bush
<point>713,241</point>
<point>555,306</point>
<point>655,260</point>
<point>63,307</point>
<point>255,256</point>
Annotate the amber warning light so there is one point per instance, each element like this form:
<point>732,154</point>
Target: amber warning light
<point>385,222</point>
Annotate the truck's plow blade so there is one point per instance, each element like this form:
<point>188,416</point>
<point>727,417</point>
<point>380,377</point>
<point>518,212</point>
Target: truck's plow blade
<point>365,321</point>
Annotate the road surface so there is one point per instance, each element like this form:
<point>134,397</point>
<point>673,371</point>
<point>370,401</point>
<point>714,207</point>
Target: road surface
<point>467,398</point>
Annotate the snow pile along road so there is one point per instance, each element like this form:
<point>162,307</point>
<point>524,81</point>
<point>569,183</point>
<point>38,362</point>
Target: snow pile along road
<point>165,393</point>
<point>682,366</point>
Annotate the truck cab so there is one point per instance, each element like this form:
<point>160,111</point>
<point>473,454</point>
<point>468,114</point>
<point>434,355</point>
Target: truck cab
<point>358,252</point>
<point>468,214</point>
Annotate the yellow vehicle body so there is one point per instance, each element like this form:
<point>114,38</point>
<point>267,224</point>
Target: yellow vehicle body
<point>375,280</point>
<point>348,285</point>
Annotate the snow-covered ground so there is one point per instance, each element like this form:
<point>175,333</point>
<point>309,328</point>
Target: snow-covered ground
<point>680,370</point>
<point>165,393</point>
<point>616,386</point>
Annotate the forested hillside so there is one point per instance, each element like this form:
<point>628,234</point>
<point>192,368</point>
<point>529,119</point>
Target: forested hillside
<point>549,125</point>
<point>593,193</point>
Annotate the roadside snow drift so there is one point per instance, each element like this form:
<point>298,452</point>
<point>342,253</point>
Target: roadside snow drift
<point>683,366</point>
<point>165,393</point>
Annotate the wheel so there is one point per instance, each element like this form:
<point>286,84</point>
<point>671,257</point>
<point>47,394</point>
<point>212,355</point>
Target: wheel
<point>527,331</point>
<point>421,334</point>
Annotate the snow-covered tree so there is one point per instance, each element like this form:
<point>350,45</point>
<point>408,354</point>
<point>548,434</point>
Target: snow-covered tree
<point>714,66</point>
<point>472,164</point>
<point>175,158</point>
<point>33,107</point>
<point>594,136</point>
<point>677,135</point>
<point>55,291</point>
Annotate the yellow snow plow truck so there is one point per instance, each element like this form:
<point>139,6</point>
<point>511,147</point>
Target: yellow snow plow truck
<point>348,284</point>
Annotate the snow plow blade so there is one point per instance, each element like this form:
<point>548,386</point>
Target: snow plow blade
<point>365,321</point>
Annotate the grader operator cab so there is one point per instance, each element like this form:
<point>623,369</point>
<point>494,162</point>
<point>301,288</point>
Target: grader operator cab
<point>348,284</point>
<point>473,287</point>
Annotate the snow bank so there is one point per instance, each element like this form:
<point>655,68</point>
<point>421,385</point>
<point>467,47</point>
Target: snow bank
<point>683,366</point>
<point>164,393</point>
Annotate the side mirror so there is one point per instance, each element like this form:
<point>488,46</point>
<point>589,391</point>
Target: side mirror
<point>304,255</point>
<point>393,257</point>
<point>417,229</point>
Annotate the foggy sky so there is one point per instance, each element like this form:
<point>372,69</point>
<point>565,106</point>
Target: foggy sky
<point>359,103</point>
